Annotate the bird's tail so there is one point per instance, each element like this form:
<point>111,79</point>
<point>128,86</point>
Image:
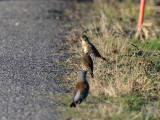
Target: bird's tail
<point>92,75</point>
<point>103,58</point>
<point>72,104</point>
<point>91,72</point>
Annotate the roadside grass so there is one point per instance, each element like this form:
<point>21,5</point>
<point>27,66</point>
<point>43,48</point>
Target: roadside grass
<point>150,44</point>
<point>102,108</point>
<point>128,85</point>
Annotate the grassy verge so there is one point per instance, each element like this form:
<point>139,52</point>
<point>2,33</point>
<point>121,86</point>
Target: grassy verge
<point>128,85</point>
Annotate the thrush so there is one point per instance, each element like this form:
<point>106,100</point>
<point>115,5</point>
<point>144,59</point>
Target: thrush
<point>87,46</point>
<point>87,63</point>
<point>81,89</point>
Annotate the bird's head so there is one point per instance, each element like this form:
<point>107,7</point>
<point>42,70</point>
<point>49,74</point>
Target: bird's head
<point>84,38</point>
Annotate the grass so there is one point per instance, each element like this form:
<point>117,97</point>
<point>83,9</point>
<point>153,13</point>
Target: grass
<point>124,107</point>
<point>150,44</point>
<point>128,85</point>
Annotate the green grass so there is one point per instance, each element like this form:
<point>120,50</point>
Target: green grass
<point>135,103</point>
<point>113,95</point>
<point>124,107</point>
<point>151,44</point>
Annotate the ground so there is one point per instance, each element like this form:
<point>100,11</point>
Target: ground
<point>127,85</point>
<point>40,58</point>
<point>32,42</point>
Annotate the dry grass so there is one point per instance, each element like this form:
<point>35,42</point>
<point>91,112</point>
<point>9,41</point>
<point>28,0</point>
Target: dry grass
<point>117,77</point>
<point>148,30</point>
<point>131,77</point>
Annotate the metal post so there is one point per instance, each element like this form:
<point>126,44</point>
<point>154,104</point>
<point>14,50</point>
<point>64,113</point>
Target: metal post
<point>141,13</point>
<point>140,20</point>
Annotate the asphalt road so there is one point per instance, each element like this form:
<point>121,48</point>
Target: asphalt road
<point>30,45</point>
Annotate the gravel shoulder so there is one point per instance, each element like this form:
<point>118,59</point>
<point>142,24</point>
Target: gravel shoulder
<point>31,43</point>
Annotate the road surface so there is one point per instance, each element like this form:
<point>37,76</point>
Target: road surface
<point>30,45</point>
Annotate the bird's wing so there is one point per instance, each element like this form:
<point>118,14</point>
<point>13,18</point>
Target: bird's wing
<point>85,90</point>
<point>85,63</point>
<point>95,51</point>
<point>78,91</point>
<point>90,63</point>
<point>77,96</point>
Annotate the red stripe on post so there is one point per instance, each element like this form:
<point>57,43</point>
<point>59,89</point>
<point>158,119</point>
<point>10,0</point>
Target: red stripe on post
<point>141,13</point>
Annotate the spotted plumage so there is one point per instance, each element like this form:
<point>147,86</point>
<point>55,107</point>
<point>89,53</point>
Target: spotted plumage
<point>87,46</point>
<point>87,63</point>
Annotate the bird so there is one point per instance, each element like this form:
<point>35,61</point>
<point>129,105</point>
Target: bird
<point>87,63</point>
<point>81,89</point>
<point>88,46</point>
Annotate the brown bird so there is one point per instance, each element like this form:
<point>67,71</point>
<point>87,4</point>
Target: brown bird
<point>87,63</point>
<point>81,89</point>
<point>88,46</point>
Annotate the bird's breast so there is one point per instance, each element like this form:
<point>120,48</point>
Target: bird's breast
<point>85,47</point>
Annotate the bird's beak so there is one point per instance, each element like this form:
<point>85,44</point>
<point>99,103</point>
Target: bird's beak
<point>79,37</point>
